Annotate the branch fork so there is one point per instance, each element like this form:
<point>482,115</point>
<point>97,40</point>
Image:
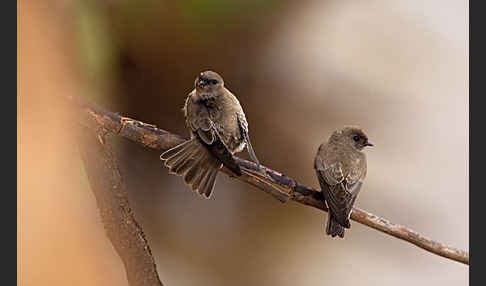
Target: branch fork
<point>280,186</point>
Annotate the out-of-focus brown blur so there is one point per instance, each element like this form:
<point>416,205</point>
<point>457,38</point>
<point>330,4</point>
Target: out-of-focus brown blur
<point>399,69</point>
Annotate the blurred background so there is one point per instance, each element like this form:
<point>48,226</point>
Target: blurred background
<point>399,69</point>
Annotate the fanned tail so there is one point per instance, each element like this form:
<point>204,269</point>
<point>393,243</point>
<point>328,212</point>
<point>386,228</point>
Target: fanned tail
<point>195,164</point>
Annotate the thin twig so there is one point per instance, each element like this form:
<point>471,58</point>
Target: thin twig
<point>280,186</point>
<point>122,229</point>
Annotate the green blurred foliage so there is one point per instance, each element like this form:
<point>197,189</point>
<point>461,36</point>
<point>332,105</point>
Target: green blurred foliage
<point>96,47</point>
<point>217,13</point>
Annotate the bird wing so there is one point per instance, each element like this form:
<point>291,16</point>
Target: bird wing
<point>243,124</point>
<point>199,120</point>
<point>340,188</point>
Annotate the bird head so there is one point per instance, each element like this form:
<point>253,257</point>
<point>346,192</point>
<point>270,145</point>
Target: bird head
<point>208,81</point>
<point>353,136</point>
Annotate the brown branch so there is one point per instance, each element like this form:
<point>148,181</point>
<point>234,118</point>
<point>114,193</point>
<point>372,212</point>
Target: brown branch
<point>122,229</point>
<point>263,178</point>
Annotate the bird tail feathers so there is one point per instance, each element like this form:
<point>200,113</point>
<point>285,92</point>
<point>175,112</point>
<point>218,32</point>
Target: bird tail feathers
<point>195,164</point>
<point>333,228</point>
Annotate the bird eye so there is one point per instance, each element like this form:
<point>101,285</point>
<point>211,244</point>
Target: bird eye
<point>356,138</point>
<point>213,81</point>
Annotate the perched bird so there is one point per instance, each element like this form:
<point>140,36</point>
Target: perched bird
<point>218,129</point>
<point>340,165</point>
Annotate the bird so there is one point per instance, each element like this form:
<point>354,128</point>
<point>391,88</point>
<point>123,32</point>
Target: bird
<point>218,129</point>
<point>340,165</point>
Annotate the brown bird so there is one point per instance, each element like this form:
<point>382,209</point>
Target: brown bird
<point>218,129</point>
<point>340,165</point>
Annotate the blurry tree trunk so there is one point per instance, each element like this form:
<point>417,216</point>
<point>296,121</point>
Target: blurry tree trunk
<point>122,229</point>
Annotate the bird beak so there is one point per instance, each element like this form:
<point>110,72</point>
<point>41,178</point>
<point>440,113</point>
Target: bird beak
<point>369,144</point>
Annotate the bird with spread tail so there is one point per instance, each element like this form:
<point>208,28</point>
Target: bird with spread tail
<point>340,166</point>
<point>218,129</point>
